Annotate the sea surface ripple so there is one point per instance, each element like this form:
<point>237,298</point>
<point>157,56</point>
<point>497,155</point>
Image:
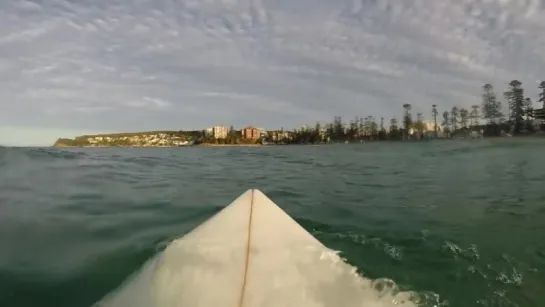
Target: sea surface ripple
<point>460,223</point>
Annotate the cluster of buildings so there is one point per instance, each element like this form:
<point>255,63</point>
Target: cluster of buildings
<point>223,132</point>
<point>146,140</point>
<point>429,129</point>
<point>253,133</point>
<point>248,133</point>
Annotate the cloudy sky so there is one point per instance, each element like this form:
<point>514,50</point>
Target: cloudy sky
<point>69,67</point>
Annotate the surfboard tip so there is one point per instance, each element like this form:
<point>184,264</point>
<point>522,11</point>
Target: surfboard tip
<point>253,190</point>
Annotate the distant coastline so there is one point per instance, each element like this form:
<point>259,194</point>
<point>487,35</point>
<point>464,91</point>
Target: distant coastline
<point>147,139</point>
<point>231,145</point>
<point>356,131</point>
<point>256,145</point>
<point>157,139</point>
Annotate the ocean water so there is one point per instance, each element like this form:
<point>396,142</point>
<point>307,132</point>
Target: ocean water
<point>460,223</point>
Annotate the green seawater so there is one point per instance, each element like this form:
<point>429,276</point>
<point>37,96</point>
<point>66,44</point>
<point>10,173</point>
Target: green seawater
<point>461,223</point>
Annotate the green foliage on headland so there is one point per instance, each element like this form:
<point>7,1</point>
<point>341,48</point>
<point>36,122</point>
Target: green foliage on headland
<point>77,142</point>
<point>146,138</point>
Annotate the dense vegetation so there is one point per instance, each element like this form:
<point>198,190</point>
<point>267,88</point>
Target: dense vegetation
<point>71,143</point>
<point>127,139</point>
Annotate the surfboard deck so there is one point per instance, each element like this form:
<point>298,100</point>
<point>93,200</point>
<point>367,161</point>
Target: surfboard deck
<point>250,254</point>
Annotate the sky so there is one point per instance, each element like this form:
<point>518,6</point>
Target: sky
<point>71,67</point>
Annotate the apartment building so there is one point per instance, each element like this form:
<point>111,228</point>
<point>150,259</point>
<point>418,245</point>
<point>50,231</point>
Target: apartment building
<point>220,132</point>
<point>250,133</point>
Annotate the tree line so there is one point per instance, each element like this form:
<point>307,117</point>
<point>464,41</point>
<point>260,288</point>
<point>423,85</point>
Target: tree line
<point>455,122</point>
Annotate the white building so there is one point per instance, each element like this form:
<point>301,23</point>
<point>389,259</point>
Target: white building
<point>220,132</point>
<point>262,131</point>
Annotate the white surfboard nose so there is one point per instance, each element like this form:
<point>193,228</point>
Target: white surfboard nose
<point>250,254</point>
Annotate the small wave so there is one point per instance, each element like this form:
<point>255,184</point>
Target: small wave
<point>513,277</point>
<point>463,147</point>
<point>392,251</point>
<point>471,253</point>
<point>41,153</point>
<point>143,160</point>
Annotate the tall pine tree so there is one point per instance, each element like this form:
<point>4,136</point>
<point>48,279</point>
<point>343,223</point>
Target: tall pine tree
<point>407,119</point>
<point>491,107</point>
<point>434,114</point>
<point>446,123</point>
<point>529,114</point>
<point>454,119</point>
<point>516,105</point>
<point>464,114</point>
<point>393,124</point>
<point>542,94</point>
<point>474,115</point>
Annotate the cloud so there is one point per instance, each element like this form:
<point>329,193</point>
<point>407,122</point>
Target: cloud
<point>149,103</point>
<point>108,65</point>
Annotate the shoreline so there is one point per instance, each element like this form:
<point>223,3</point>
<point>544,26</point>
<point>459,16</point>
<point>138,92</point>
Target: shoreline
<point>228,145</point>
<point>534,136</point>
<point>181,146</point>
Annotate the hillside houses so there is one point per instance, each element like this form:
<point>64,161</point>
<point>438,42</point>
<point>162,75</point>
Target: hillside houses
<point>144,140</point>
